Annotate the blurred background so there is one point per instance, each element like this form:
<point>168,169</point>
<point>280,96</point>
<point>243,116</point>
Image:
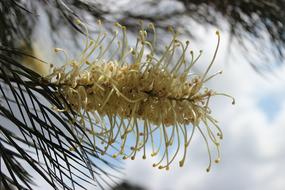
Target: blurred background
<point>251,56</point>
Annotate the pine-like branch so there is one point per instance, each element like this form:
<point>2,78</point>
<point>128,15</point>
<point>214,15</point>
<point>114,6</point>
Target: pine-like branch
<point>43,139</point>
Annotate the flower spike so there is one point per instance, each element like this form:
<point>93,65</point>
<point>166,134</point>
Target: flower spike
<point>131,98</point>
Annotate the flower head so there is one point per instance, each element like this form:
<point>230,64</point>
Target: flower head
<point>132,97</point>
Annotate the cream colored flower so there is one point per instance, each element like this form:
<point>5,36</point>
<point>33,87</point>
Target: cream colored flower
<point>131,97</point>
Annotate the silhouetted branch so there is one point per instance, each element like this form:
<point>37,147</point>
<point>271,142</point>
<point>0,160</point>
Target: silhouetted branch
<point>247,19</point>
<point>43,139</point>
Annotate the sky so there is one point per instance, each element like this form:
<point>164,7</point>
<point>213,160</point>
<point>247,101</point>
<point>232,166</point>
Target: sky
<point>253,148</point>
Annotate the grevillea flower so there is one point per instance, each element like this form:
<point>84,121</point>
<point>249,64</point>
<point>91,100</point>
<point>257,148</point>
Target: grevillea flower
<point>132,99</point>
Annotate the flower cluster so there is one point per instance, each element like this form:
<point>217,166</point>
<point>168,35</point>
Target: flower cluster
<point>133,98</point>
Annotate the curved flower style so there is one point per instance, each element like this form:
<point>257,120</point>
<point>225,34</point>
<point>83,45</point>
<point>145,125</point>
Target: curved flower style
<point>130,98</point>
